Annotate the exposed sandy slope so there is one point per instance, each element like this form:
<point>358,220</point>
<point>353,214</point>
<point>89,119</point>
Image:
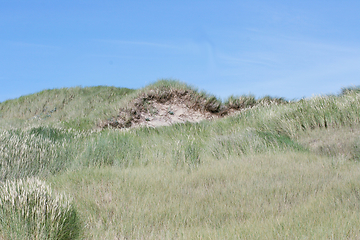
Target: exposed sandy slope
<point>155,109</point>
<point>166,106</point>
<point>164,114</point>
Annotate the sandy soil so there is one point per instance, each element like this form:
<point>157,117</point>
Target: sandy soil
<point>165,114</point>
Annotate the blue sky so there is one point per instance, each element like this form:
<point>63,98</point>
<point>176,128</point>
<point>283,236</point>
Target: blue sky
<point>289,49</point>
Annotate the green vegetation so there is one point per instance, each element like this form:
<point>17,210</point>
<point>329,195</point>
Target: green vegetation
<point>274,170</point>
<point>77,108</point>
<point>30,210</point>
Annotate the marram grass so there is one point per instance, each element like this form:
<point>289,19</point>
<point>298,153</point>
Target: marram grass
<point>273,171</point>
<point>29,209</point>
<point>287,195</point>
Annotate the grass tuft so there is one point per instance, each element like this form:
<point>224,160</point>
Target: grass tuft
<point>29,209</point>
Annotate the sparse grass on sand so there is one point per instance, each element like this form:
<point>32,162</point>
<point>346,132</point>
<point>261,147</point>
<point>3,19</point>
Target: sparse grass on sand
<point>275,170</point>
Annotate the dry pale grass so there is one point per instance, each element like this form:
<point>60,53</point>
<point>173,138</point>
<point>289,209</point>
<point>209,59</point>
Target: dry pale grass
<point>339,142</point>
<point>267,196</point>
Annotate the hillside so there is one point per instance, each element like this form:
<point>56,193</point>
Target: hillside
<point>79,108</point>
<point>160,104</point>
<point>254,169</point>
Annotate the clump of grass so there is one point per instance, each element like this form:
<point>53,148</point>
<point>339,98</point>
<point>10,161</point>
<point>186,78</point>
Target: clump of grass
<point>349,90</point>
<point>108,149</point>
<point>241,102</point>
<point>187,153</point>
<point>248,101</point>
<point>307,114</point>
<point>268,100</point>
<point>37,151</point>
<point>250,141</point>
<point>29,209</point>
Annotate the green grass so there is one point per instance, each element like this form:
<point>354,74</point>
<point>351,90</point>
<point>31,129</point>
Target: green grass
<point>77,108</point>
<point>29,209</point>
<point>267,196</point>
<point>276,170</point>
<point>92,107</point>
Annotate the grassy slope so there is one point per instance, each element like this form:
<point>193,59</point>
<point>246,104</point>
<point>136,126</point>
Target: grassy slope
<point>272,172</point>
<point>88,108</point>
<point>78,108</point>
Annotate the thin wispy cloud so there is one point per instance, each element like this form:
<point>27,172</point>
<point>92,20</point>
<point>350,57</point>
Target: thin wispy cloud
<point>313,44</point>
<point>239,60</point>
<point>280,50</point>
<point>322,71</point>
<point>109,56</point>
<point>27,44</point>
<point>268,37</point>
<point>138,43</point>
